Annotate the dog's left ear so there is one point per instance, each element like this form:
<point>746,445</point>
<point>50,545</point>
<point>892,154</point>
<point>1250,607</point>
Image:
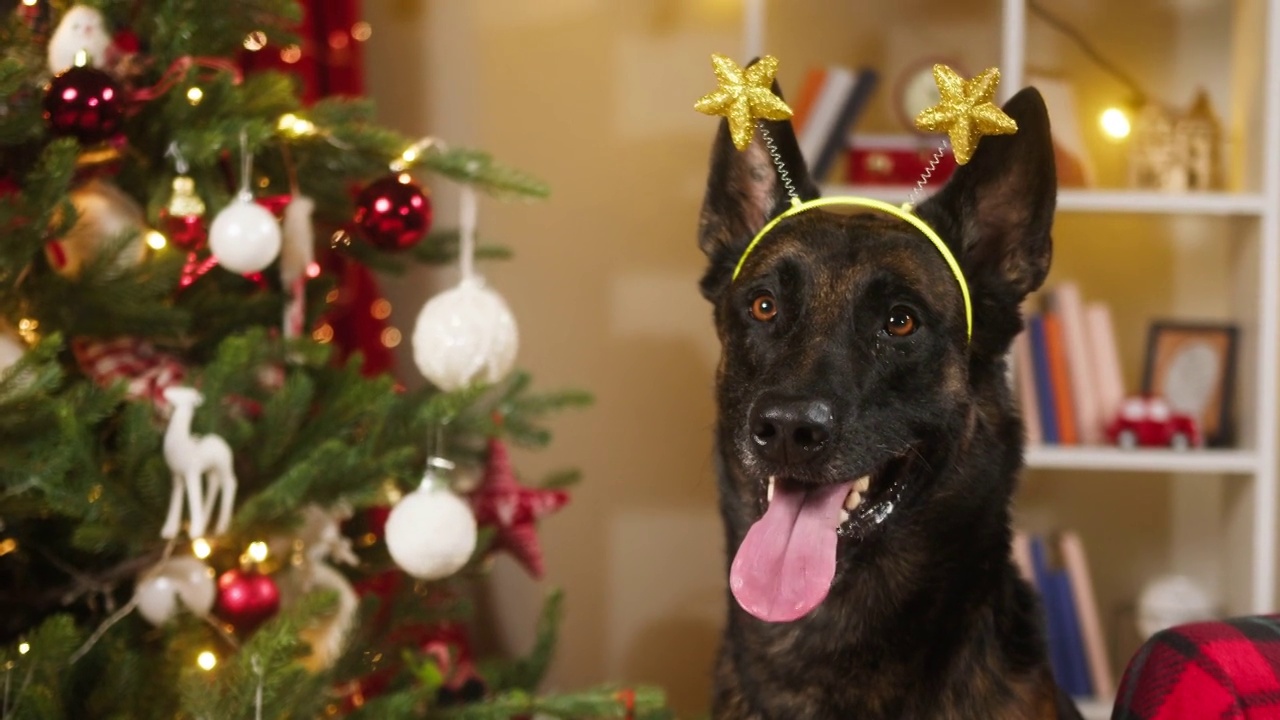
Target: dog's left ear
<point>744,191</point>
<point>996,213</point>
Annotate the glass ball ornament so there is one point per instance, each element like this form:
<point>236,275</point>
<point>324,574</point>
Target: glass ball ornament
<point>465,334</point>
<point>431,532</point>
<point>247,598</point>
<point>181,582</point>
<point>84,103</point>
<point>393,213</point>
<point>244,236</point>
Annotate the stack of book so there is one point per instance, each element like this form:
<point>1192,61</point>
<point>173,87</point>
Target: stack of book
<point>1066,369</point>
<point>1057,567</point>
<point>829,102</point>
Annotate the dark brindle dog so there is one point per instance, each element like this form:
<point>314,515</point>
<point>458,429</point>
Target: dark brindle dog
<point>857,421</point>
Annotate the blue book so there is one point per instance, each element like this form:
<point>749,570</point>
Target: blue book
<point>1044,381</point>
<point>1079,683</point>
<point>1058,661</point>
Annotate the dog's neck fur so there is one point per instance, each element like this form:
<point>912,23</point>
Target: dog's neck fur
<point>973,662</point>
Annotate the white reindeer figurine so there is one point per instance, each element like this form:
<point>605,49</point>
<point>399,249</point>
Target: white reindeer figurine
<point>191,459</point>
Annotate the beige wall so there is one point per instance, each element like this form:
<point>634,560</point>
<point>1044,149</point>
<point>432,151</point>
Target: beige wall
<point>595,96</point>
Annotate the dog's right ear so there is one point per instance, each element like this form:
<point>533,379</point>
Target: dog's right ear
<point>744,191</point>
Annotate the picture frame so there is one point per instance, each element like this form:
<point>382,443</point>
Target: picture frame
<point>1193,366</point>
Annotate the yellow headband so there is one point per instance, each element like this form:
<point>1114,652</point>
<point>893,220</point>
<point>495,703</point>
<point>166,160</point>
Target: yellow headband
<point>901,213</point>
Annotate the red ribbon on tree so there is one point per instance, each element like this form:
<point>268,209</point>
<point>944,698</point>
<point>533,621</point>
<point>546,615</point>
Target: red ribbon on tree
<point>178,70</point>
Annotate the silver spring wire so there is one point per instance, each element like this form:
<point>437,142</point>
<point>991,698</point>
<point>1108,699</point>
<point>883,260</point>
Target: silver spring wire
<point>777,162</point>
<point>918,193</point>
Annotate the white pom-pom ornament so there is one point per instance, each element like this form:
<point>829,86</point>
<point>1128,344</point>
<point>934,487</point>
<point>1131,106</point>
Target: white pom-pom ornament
<point>465,334</point>
<point>431,532</point>
<point>81,28</point>
<point>244,237</point>
<point>183,579</point>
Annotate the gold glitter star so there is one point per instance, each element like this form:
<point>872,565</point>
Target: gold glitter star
<point>965,111</point>
<point>743,96</point>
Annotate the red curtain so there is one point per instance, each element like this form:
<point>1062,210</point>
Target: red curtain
<point>329,61</point>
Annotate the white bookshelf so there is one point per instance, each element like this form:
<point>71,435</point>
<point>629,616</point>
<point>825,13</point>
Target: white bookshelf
<point>1258,209</point>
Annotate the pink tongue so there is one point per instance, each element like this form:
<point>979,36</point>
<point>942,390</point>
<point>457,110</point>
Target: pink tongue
<point>785,565</point>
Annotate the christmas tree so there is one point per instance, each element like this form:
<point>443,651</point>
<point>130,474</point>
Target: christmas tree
<point>215,501</point>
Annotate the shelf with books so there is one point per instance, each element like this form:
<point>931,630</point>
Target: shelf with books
<point>1105,458</point>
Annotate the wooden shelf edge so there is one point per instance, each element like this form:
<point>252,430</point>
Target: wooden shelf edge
<point>1234,462</point>
<point>1141,202</point>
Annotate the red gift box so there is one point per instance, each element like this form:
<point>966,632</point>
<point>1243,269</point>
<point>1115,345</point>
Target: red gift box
<point>896,159</point>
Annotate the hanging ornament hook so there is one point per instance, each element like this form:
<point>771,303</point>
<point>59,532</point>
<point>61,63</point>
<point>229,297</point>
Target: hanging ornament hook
<point>467,231</point>
<point>246,165</point>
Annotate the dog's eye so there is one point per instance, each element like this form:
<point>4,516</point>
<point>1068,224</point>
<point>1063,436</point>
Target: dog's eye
<point>901,322</point>
<point>764,307</point>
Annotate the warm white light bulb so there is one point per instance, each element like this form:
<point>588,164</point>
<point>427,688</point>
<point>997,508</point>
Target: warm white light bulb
<point>200,548</point>
<point>206,660</point>
<point>257,551</point>
<point>1115,123</point>
<point>24,648</point>
<point>195,95</point>
<point>156,240</point>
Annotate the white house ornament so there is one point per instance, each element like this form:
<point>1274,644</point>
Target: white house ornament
<point>245,237</point>
<point>431,532</point>
<point>465,334</point>
<point>81,28</point>
<point>202,470</point>
<point>173,585</point>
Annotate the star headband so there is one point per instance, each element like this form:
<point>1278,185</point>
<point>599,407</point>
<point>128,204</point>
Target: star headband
<point>965,112</point>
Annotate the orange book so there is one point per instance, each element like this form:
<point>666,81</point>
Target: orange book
<point>1060,376</point>
<point>813,81</point>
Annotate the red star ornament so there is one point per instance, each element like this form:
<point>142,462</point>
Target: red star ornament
<point>513,509</point>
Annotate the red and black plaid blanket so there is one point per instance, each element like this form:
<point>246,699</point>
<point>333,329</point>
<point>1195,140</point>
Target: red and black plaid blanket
<point>1227,670</point>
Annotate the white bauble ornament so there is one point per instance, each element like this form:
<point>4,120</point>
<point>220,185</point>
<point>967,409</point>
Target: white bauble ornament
<point>81,28</point>
<point>431,532</point>
<point>184,579</point>
<point>244,237</point>
<point>105,213</point>
<point>465,334</point>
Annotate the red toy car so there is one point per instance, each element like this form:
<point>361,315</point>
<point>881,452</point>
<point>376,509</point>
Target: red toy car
<point>1151,422</point>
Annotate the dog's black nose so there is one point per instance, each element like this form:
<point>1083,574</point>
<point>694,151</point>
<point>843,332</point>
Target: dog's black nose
<point>791,430</point>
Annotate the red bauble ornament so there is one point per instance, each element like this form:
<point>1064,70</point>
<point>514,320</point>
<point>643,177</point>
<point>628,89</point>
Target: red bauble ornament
<point>246,598</point>
<point>393,213</point>
<point>84,103</point>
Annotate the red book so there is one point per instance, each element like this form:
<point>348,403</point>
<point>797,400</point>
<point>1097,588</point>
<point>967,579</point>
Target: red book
<point>1060,377</point>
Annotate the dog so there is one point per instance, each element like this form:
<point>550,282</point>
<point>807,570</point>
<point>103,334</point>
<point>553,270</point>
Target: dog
<point>847,374</point>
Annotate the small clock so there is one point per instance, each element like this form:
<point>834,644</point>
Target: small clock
<point>916,91</point>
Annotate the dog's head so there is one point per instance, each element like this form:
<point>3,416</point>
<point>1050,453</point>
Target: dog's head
<point>846,367</point>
